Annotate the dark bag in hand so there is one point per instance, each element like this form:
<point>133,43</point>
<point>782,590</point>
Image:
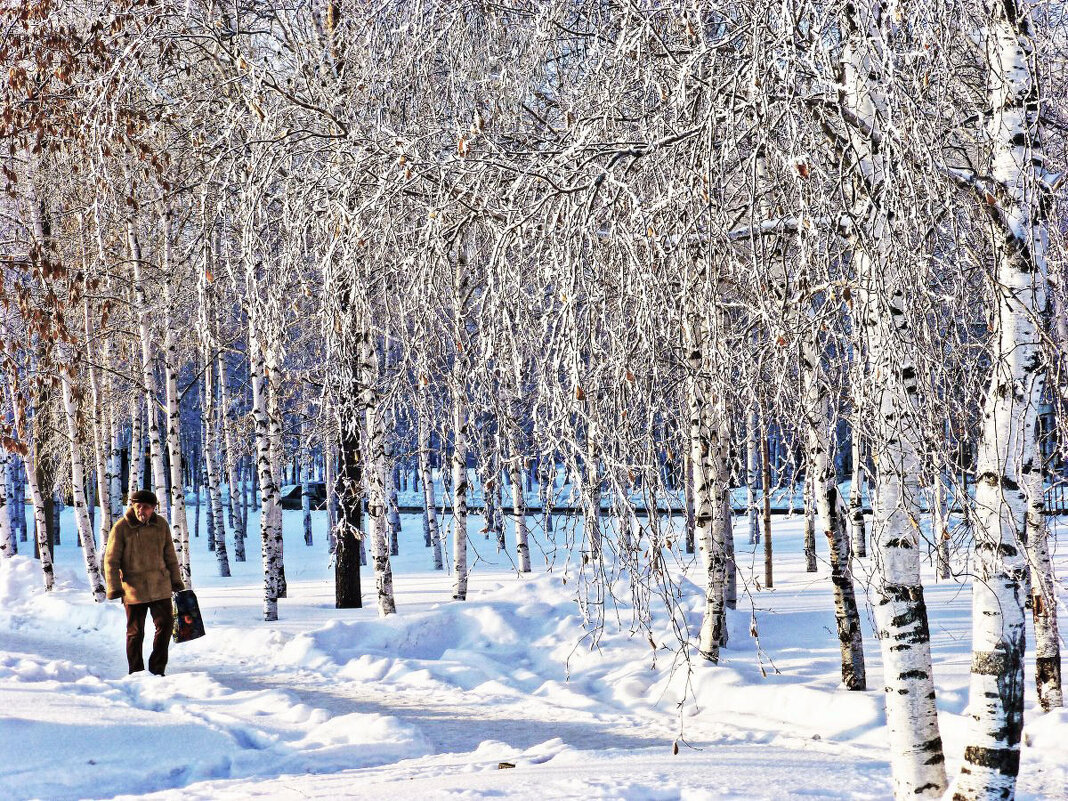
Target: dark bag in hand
<point>188,624</point>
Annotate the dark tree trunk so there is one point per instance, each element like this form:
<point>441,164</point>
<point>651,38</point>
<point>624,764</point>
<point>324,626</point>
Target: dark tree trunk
<point>347,592</point>
<point>19,482</point>
<point>196,512</point>
<point>211,524</point>
<point>255,490</point>
<point>854,675</point>
<point>50,526</point>
<point>124,466</point>
<point>54,523</point>
<point>765,478</point>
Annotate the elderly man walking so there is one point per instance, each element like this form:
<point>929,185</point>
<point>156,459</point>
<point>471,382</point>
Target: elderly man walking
<point>141,568</point>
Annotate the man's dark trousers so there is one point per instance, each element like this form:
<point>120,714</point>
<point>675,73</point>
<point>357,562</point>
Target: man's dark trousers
<point>163,617</point>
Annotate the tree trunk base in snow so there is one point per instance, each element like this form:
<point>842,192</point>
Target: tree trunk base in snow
<point>1048,681</point>
<point>347,594</point>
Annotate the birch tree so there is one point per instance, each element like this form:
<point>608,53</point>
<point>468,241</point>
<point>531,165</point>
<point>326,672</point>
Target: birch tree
<point>178,520</point>
<point>266,472</point>
<point>1009,469</point>
<point>864,104</point>
<point>377,470</point>
<point>139,304</point>
<point>9,544</point>
<point>71,405</point>
<point>426,478</point>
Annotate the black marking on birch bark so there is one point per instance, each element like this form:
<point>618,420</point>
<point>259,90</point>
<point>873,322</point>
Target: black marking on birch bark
<point>1004,549</point>
<point>901,593</point>
<point>840,580</point>
<point>1005,761</point>
<point>935,749</point>
<point>912,674</point>
<point>908,644</point>
<point>997,480</point>
<point>719,630</point>
<point>912,623</point>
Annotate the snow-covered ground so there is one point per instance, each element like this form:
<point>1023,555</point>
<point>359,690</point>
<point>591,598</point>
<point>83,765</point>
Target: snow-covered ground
<point>429,703</point>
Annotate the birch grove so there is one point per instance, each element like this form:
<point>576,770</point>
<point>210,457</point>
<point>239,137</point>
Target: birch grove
<point>563,263</point>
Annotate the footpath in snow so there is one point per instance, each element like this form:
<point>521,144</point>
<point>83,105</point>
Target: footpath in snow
<point>432,702</point>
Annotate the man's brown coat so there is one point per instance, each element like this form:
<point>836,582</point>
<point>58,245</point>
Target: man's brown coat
<point>140,565</point>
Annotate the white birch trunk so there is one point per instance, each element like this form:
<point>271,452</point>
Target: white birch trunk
<point>726,527</point>
<point>489,476</point>
<point>389,477</point>
<point>857,535</point>
<point>232,484</point>
<point>178,520</point>
<point>103,483</point>
<point>105,461</point>
<point>112,497</point>
<point>940,525</point>
<point>823,494</point>
<point>211,467</point>
<point>9,544</point>
<point>1000,585</point>
<point>459,487</point>
<point>703,455</point>
<point>376,477</point>
<point>519,513</point>
<point>426,476</point>
<point>115,458</point>
<point>1009,462</point>
<point>547,490</point>
<point>592,531</point>
<point>900,610</point>
<point>1043,601</point>
<point>40,522</point>
<point>752,460</point>
<point>916,747</point>
<point>137,454</point>
<point>714,623</point>
<point>30,461</point>
<point>273,379</point>
<point>305,482</point>
<point>71,405</point>
<point>148,378</point>
<point>266,473</point>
